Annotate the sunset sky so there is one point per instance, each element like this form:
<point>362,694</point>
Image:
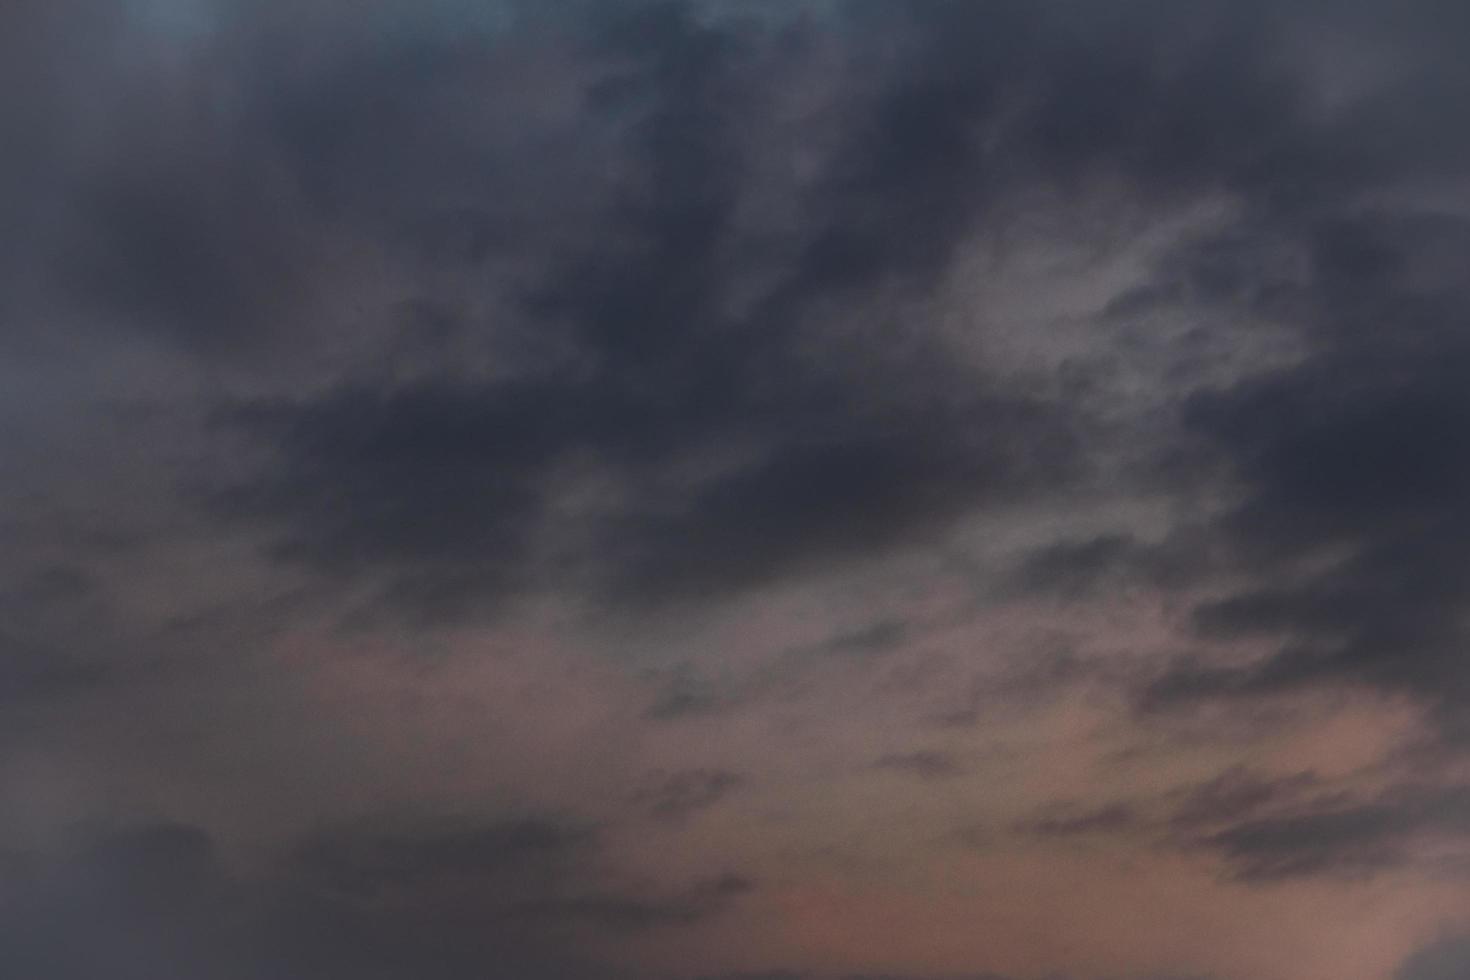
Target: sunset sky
<point>691,490</point>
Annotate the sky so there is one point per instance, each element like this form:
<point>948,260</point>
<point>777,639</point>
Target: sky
<point>682,490</point>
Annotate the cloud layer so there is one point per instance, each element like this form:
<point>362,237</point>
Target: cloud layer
<point>661,489</point>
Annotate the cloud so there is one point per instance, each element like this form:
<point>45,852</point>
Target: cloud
<point>1344,839</point>
<point>52,645</point>
<point>623,914</point>
<point>159,901</point>
<point>367,863</point>
<point>140,903</point>
<point>716,442</point>
<point>677,795</point>
<point>1343,461</point>
<point>28,673</point>
<point>1235,794</point>
<point>1349,463</point>
<point>926,764</point>
<point>1444,960</point>
<point>664,331</point>
<point>1071,822</point>
<point>1268,829</point>
<point>698,375</point>
<point>705,385</point>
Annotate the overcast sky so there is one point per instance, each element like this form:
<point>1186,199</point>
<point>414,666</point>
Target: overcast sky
<point>641,490</point>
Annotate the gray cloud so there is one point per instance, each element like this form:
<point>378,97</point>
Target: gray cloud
<point>674,796</point>
<point>1343,838</point>
<point>623,913</point>
<point>1444,960</point>
<point>739,445</point>
<point>1070,821</point>
<point>653,307</point>
<point>927,764</point>
<point>1270,829</point>
<point>367,863</point>
<point>1237,794</point>
<point>160,901</point>
<point>1350,459</point>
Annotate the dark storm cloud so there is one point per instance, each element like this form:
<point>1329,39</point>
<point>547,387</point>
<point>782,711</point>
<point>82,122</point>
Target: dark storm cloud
<point>636,302</point>
<point>836,452</point>
<point>1354,460</point>
<point>440,485</point>
<point>443,485</point>
<point>460,480</point>
<point>438,488</point>
<point>743,442</point>
<point>1350,463</point>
